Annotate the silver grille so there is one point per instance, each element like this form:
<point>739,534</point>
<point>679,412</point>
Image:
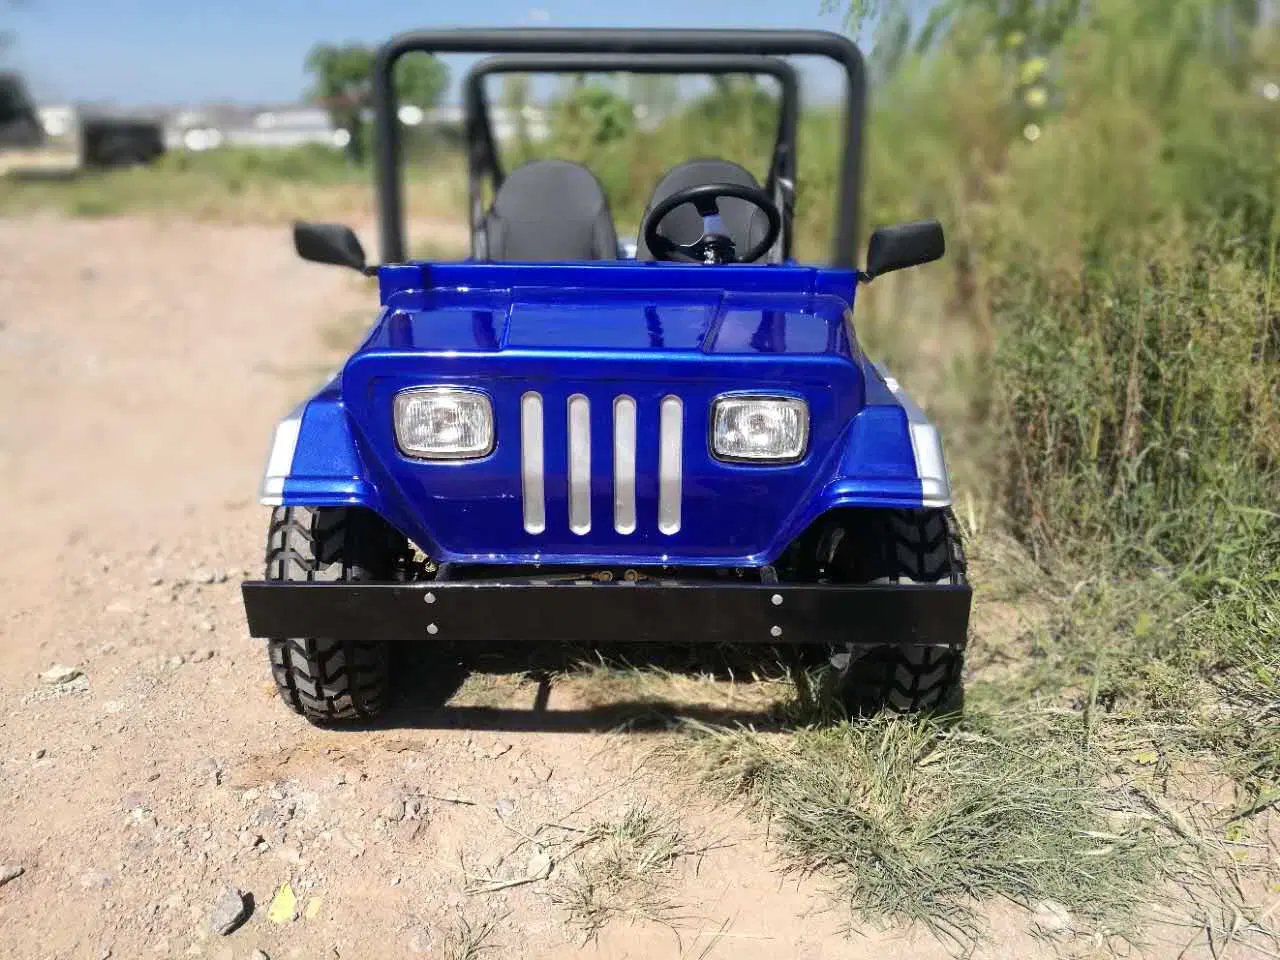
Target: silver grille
<point>624,465</point>
<point>670,468</point>
<point>531,490</point>
<point>577,425</point>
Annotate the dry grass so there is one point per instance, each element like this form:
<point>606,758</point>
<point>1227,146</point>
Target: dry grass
<point>762,687</point>
<point>625,869</point>
<point>492,691</point>
<point>917,824</point>
<point>238,186</point>
<point>469,939</point>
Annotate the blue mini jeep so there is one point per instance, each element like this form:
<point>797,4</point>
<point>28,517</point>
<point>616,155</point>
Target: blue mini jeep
<point>570,438</point>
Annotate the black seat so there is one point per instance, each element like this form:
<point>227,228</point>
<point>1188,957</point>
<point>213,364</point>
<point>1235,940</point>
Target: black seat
<point>745,224</point>
<point>549,210</point>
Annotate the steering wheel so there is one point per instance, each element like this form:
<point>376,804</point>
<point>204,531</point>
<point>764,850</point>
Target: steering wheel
<point>715,245</point>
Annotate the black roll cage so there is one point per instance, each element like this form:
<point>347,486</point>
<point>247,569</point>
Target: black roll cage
<point>484,162</point>
<point>598,42</point>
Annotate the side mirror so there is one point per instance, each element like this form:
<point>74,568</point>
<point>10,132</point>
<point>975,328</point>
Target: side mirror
<point>332,243</point>
<point>904,245</point>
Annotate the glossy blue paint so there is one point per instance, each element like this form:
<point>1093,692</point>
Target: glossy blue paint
<point>644,330</point>
<point>658,323</point>
<point>412,284</point>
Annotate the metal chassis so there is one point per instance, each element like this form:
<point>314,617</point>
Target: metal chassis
<point>646,42</point>
<point>482,152</point>
<point>590,612</point>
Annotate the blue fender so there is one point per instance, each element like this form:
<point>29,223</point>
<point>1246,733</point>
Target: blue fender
<point>893,453</point>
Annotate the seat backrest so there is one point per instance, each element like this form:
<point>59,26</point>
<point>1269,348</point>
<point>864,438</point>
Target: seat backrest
<point>744,223</point>
<point>549,210</point>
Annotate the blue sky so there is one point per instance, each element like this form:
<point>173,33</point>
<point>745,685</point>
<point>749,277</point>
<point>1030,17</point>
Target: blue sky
<point>147,51</point>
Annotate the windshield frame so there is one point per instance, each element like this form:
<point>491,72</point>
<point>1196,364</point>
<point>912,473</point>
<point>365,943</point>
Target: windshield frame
<point>596,42</point>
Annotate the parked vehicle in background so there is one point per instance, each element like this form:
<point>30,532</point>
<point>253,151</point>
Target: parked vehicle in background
<point>64,139</point>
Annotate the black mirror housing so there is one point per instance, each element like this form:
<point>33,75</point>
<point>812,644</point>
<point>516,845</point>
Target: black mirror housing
<point>333,243</point>
<point>904,245</point>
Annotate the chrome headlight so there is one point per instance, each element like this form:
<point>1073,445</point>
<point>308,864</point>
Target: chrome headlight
<point>759,429</point>
<point>444,423</point>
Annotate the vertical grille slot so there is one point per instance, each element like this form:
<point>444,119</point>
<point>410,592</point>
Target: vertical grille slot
<point>579,464</point>
<point>624,464</point>
<point>670,467</point>
<point>531,469</point>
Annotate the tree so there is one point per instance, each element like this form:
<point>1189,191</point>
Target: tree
<point>591,115</point>
<point>342,82</point>
<point>1042,25</point>
<point>736,102</point>
<point>656,94</point>
<point>1030,34</point>
<point>516,94</point>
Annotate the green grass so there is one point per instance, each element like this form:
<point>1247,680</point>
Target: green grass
<point>1194,680</point>
<point>920,824</point>
<point>242,186</point>
<point>1102,349</point>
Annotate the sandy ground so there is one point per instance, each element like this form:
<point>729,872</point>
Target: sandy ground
<point>142,367</point>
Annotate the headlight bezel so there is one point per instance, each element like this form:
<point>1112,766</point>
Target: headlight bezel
<point>408,394</point>
<point>794,400</point>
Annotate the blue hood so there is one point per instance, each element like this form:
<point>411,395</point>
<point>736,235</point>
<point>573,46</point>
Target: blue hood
<point>615,337</point>
<point>647,345</point>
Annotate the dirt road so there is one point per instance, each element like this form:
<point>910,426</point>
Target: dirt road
<point>142,367</point>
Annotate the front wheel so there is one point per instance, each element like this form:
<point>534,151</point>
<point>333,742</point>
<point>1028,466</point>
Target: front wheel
<point>896,546</point>
<point>332,681</point>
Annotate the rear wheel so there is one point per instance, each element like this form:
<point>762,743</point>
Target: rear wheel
<point>895,546</point>
<point>332,681</point>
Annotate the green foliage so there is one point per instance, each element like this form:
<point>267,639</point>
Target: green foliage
<point>341,79</point>
<point>307,163</point>
<point>1115,282</point>
<point>737,106</point>
<point>515,97</point>
<point>594,124</point>
<point>1135,304</point>
<point>591,116</point>
<point>653,93</point>
<point>1118,276</point>
<point>1121,267</point>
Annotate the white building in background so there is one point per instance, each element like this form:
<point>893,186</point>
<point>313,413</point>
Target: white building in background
<point>287,126</point>
<point>290,125</point>
<point>504,120</point>
<point>57,120</point>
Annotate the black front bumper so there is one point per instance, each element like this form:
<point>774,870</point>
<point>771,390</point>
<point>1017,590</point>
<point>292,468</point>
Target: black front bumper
<point>598,613</point>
